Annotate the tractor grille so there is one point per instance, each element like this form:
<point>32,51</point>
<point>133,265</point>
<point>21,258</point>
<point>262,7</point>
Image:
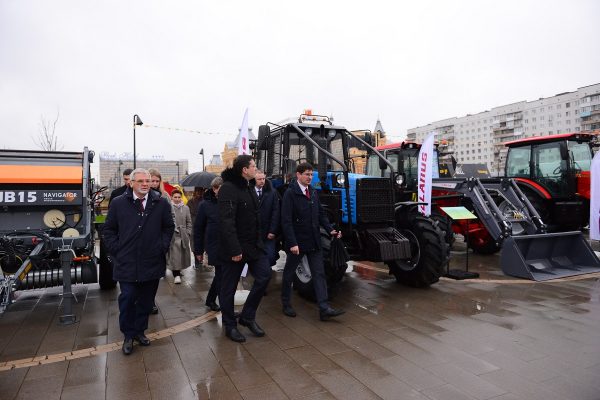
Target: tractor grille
<point>374,200</point>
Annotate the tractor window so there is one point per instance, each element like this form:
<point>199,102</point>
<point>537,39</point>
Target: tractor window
<point>581,155</point>
<point>373,166</point>
<point>517,163</point>
<point>548,160</point>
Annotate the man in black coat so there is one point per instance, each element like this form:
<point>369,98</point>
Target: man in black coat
<point>137,233</point>
<point>240,243</point>
<point>302,215</point>
<point>120,190</point>
<point>269,212</point>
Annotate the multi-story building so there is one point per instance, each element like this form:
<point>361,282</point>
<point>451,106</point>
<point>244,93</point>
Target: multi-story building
<point>112,166</point>
<point>480,138</point>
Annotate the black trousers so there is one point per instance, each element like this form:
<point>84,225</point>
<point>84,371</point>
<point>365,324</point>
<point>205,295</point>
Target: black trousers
<point>215,286</point>
<point>261,271</point>
<point>135,304</point>
<point>317,270</point>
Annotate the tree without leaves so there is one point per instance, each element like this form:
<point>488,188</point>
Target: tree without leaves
<point>47,138</point>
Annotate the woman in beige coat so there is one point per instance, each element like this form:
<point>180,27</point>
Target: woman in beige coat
<point>180,251</point>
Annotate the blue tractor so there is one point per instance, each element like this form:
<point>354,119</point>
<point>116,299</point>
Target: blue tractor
<point>374,225</point>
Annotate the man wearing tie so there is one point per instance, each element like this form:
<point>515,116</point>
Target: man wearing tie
<point>137,233</point>
<point>301,218</point>
<point>269,210</point>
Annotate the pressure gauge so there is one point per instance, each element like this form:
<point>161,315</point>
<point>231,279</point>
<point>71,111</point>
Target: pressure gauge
<point>70,233</point>
<point>54,218</point>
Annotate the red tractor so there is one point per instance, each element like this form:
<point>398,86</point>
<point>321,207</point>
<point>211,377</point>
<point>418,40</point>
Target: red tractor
<point>554,173</point>
<point>506,218</point>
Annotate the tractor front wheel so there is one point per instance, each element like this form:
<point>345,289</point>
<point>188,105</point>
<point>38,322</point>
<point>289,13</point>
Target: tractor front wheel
<point>429,252</point>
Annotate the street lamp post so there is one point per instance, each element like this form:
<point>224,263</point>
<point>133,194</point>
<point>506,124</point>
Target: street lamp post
<point>177,163</point>
<point>136,121</point>
<point>202,154</point>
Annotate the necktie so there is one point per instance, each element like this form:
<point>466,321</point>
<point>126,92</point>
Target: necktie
<point>140,204</point>
<point>259,193</point>
<point>307,193</point>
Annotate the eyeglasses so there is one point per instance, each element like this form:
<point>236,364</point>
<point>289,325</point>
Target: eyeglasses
<point>142,181</point>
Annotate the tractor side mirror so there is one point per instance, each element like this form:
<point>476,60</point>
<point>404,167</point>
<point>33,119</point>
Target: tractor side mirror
<point>368,138</point>
<point>263,132</point>
<point>382,164</point>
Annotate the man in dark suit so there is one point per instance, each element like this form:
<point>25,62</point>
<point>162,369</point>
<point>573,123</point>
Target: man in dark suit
<point>301,217</point>
<point>240,243</point>
<point>137,233</point>
<point>269,212</point>
<point>120,190</point>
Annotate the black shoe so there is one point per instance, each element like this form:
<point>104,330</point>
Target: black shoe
<point>142,340</point>
<point>253,326</point>
<point>154,310</point>
<point>127,347</point>
<point>235,335</point>
<point>330,313</point>
<point>289,311</point>
<point>212,305</point>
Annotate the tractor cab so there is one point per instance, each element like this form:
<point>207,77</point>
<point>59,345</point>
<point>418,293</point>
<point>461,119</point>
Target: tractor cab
<point>404,156</point>
<point>554,173</point>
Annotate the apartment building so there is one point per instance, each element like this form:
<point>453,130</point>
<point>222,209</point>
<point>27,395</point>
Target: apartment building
<point>480,138</point>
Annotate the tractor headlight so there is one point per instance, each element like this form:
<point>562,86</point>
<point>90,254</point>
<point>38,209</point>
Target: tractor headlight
<point>400,179</point>
<point>308,131</point>
<point>340,180</point>
<point>332,133</point>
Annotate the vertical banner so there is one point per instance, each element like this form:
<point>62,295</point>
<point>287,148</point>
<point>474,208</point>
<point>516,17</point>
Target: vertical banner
<point>243,145</point>
<point>595,198</point>
<point>425,168</point>
<point>244,148</point>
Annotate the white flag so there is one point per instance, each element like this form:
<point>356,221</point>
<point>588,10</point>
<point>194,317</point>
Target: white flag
<point>425,171</point>
<point>244,148</point>
<point>243,145</point>
<point>595,198</point>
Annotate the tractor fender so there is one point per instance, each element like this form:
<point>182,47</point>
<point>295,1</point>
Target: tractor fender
<point>403,210</point>
<point>534,187</point>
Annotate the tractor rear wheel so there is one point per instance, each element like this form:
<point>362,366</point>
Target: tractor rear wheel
<point>429,253</point>
<point>303,281</point>
<point>444,222</point>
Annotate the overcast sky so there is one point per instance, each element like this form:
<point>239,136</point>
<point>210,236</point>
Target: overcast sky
<point>198,65</point>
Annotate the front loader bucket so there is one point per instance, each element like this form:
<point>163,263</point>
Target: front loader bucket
<point>542,257</point>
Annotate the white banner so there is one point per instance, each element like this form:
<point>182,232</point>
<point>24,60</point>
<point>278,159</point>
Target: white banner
<point>243,145</point>
<point>595,198</point>
<point>425,169</point>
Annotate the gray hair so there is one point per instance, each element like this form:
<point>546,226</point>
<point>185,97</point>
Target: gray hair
<point>216,182</point>
<point>139,171</point>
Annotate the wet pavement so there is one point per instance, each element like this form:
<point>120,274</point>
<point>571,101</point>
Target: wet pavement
<point>491,338</point>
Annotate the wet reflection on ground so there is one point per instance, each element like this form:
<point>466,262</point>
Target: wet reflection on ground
<point>495,337</point>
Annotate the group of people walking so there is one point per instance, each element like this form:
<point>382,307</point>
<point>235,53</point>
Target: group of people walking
<point>238,224</point>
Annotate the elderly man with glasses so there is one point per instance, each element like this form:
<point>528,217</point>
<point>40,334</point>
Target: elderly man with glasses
<point>137,233</point>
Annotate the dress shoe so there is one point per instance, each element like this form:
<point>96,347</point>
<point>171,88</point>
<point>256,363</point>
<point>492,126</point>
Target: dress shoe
<point>235,335</point>
<point>253,326</point>
<point>289,311</point>
<point>212,305</point>
<point>127,346</point>
<point>154,310</point>
<point>330,313</point>
<point>142,340</point>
